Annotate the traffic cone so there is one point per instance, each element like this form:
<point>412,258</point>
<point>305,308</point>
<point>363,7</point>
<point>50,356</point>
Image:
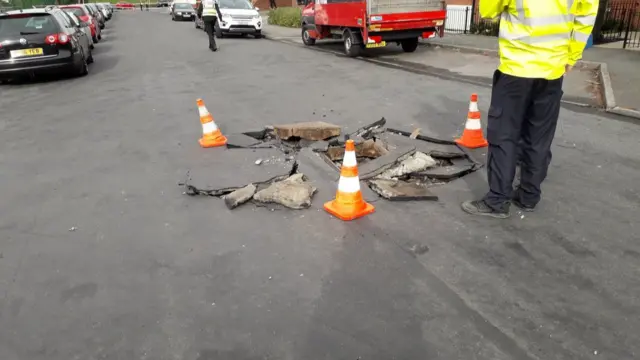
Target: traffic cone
<point>348,204</point>
<point>211,134</point>
<point>472,136</point>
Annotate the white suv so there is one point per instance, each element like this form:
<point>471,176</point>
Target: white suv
<point>238,17</point>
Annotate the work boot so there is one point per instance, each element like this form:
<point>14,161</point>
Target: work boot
<point>213,48</point>
<point>517,201</point>
<point>480,207</point>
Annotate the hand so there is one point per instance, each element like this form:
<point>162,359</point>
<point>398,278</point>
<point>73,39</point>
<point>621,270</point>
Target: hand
<point>568,68</point>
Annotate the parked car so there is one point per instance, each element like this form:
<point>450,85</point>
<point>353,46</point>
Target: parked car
<point>97,14</point>
<point>122,5</point>
<point>163,3</point>
<point>183,11</point>
<point>84,14</point>
<point>85,26</point>
<point>36,41</point>
<point>239,17</point>
<point>105,12</point>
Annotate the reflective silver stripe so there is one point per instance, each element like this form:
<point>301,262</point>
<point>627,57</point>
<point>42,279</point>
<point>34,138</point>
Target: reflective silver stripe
<point>537,21</point>
<point>527,39</point>
<point>586,20</point>
<point>522,19</point>
<point>582,37</point>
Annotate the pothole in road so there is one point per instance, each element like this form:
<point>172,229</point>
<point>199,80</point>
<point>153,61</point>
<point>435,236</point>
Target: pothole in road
<point>395,164</point>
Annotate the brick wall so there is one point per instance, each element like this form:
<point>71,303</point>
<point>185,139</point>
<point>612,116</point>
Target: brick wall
<point>459,2</point>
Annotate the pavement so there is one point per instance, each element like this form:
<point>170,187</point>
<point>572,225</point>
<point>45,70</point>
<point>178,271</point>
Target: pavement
<point>102,256</point>
<point>621,69</point>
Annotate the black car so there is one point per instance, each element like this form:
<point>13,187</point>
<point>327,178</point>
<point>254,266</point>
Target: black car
<point>34,41</point>
<point>183,11</point>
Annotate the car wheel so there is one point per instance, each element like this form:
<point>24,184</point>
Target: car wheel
<point>218,31</point>
<point>258,34</point>
<point>409,45</point>
<point>306,37</point>
<point>95,39</point>
<point>90,58</point>
<point>100,37</point>
<point>83,69</point>
<point>352,45</point>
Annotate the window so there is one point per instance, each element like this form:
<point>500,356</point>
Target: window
<point>25,24</point>
<point>64,20</point>
<point>75,10</point>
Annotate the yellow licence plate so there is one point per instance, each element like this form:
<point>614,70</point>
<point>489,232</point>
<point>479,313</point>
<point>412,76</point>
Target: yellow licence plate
<point>377,45</point>
<point>26,52</point>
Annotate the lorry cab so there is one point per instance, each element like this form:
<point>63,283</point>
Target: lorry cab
<point>363,24</point>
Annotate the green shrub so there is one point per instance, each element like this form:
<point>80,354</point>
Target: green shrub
<point>487,28</point>
<point>286,16</point>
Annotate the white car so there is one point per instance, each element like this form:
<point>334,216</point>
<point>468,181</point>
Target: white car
<point>238,17</point>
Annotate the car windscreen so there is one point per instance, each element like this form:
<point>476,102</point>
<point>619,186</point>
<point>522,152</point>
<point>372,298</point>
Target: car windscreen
<point>27,24</point>
<point>235,4</point>
<point>183,6</point>
<point>75,11</point>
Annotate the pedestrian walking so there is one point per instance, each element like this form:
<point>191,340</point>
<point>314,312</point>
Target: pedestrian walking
<point>146,6</point>
<point>540,41</point>
<point>140,5</point>
<point>209,11</point>
<point>272,4</point>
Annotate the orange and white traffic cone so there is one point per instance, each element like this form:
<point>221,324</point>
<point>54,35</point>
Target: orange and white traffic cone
<point>211,134</point>
<point>349,204</point>
<point>472,136</point>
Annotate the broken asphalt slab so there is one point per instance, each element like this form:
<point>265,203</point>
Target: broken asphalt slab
<point>315,130</point>
<point>459,168</point>
<point>398,190</point>
<point>216,174</point>
<point>240,196</point>
<point>431,146</point>
<point>295,192</point>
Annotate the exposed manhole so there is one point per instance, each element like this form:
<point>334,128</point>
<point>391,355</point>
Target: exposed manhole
<point>395,164</point>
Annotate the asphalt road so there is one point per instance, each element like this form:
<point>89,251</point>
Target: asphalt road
<point>149,273</point>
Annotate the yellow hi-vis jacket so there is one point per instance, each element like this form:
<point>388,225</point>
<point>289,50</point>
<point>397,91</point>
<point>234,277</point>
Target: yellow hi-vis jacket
<point>538,38</point>
<point>209,8</point>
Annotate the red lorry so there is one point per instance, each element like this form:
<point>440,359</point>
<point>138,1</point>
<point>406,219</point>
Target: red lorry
<point>365,24</point>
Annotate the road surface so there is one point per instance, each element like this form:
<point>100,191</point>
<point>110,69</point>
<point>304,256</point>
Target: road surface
<point>104,257</point>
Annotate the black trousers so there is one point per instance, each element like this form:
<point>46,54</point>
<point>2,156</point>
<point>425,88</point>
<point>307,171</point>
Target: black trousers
<point>209,27</point>
<point>272,4</point>
<point>522,123</point>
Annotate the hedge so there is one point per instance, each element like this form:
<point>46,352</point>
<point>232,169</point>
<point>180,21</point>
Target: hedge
<point>286,16</point>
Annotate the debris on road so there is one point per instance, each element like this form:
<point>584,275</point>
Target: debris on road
<point>415,163</point>
<point>370,149</point>
<point>294,192</point>
<point>369,130</point>
<point>240,196</point>
<point>316,130</point>
<point>399,190</point>
<point>395,164</point>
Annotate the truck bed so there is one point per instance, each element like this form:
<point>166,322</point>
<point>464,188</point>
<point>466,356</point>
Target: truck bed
<point>376,7</point>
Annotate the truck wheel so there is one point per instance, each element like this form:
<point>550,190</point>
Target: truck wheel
<point>306,38</point>
<point>409,45</point>
<point>352,43</point>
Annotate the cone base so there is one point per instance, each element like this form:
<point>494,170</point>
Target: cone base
<point>473,144</point>
<point>346,212</point>
<point>213,142</point>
